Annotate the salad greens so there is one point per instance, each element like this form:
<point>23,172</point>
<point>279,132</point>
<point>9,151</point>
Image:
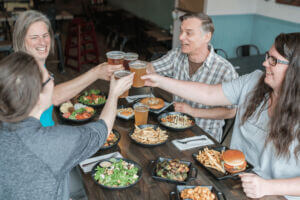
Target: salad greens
<point>75,112</point>
<point>92,97</point>
<point>119,174</point>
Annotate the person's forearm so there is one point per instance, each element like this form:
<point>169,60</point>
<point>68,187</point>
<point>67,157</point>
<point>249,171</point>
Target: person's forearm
<point>218,113</point>
<point>288,186</point>
<point>67,90</point>
<point>195,91</point>
<point>109,112</point>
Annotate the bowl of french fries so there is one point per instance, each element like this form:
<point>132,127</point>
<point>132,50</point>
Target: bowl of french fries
<point>148,135</point>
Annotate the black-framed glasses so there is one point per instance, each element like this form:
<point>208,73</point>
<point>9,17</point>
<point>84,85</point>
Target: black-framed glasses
<point>51,77</point>
<point>273,61</point>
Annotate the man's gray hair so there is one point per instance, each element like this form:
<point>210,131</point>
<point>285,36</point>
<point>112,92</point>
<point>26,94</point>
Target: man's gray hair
<point>22,25</point>
<point>207,23</point>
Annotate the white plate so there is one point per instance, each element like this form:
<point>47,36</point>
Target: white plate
<point>125,117</point>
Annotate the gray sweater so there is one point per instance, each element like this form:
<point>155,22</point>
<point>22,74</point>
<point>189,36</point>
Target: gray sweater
<point>35,161</point>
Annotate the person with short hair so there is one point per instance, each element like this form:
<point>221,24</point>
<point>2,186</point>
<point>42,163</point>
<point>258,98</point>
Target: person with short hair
<point>33,34</point>
<point>35,161</point>
<point>196,61</point>
<point>267,123</point>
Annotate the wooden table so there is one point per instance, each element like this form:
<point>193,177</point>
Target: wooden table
<point>147,187</point>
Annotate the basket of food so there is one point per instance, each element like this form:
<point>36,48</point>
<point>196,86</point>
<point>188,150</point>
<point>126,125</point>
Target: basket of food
<point>173,170</point>
<point>77,113</point>
<point>112,140</point>
<point>148,135</point>
<point>116,173</point>
<point>93,97</point>
<point>222,162</point>
<point>194,192</point>
<point>176,121</point>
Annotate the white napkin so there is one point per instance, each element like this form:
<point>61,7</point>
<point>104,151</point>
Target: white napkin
<point>192,144</point>
<point>87,168</point>
<point>130,99</point>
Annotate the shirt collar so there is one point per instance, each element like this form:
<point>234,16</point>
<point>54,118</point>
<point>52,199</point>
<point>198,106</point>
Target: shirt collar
<point>210,58</point>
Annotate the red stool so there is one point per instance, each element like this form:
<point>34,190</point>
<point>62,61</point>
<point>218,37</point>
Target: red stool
<point>81,44</point>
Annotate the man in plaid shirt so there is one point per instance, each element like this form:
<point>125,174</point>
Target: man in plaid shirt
<point>196,61</point>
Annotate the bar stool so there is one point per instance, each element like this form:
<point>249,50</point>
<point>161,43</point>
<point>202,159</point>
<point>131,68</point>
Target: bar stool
<point>81,44</point>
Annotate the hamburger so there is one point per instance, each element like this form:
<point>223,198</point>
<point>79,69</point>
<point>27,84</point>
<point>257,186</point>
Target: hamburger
<point>234,161</point>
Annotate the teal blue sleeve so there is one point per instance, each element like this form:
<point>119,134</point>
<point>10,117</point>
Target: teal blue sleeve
<point>46,118</point>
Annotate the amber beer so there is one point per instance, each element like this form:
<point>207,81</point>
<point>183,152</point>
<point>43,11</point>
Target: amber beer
<point>128,57</point>
<point>140,113</point>
<point>115,57</point>
<point>139,67</point>
<point>120,74</point>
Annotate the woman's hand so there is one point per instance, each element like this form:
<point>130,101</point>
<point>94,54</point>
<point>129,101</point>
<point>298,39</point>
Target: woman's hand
<point>105,71</point>
<point>254,186</point>
<point>183,107</point>
<point>118,87</point>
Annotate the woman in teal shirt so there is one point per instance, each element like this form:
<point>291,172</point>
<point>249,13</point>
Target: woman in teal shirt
<point>33,34</point>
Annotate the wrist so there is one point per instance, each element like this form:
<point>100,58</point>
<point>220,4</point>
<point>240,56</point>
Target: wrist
<point>268,187</point>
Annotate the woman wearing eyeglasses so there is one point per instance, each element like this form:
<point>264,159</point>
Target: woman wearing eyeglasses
<point>33,34</point>
<point>267,124</point>
<point>35,161</point>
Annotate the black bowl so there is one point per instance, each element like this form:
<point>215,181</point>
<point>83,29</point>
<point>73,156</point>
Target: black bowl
<point>180,188</point>
<point>74,121</point>
<point>121,187</point>
<point>118,135</point>
<point>219,175</point>
<point>94,105</point>
<point>189,175</point>
<point>142,144</point>
<point>176,113</point>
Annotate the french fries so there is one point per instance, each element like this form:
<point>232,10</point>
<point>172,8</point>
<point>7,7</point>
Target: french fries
<point>211,158</point>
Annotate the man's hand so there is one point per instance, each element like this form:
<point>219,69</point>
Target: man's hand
<point>254,186</point>
<point>105,71</point>
<point>183,107</point>
<point>152,80</point>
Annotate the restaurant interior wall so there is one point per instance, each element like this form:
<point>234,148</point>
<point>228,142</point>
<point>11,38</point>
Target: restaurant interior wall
<point>257,22</point>
<point>156,11</point>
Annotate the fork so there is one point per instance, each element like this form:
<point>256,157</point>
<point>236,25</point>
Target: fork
<point>185,142</point>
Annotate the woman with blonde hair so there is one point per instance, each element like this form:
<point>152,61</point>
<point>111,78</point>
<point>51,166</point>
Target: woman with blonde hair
<point>33,34</point>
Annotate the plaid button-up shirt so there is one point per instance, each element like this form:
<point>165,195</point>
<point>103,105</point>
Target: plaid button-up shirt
<point>215,69</point>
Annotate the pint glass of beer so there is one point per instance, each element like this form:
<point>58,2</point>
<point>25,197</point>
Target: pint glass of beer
<point>115,57</point>
<point>140,113</point>
<point>120,74</point>
<point>139,67</point>
<point>128,57</point>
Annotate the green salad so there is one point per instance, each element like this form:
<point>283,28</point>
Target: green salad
<point>118,174</point>
<point>92,97</point>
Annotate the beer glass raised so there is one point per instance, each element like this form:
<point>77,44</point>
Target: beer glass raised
<point>115,57</point>
<point>139,67</point>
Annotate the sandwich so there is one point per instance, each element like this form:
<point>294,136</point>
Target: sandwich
<point>234,161</point>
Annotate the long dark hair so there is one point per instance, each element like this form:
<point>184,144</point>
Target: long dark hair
<point>20,86</point>
<point>285,120</point>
